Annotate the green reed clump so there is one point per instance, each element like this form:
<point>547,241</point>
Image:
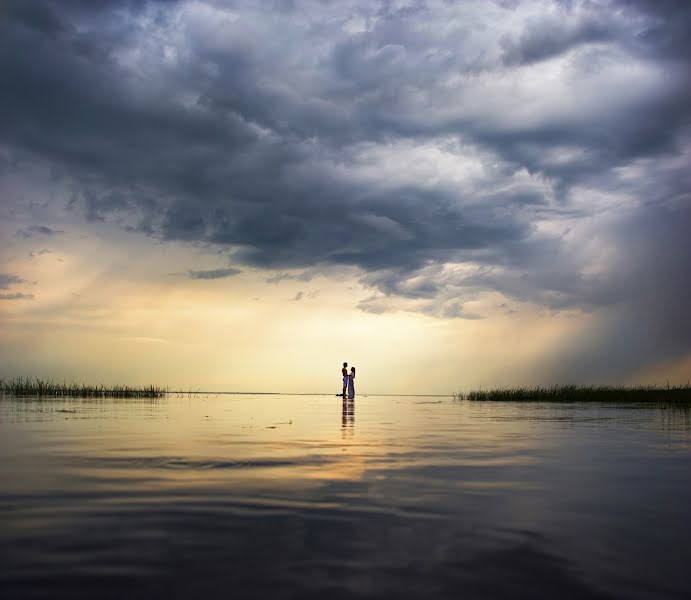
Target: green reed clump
<point>583,393</point>
<point>20,386</point>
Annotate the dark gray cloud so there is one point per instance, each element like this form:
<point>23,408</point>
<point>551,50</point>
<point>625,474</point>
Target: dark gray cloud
<point>214,273</point>
<point>8,279</point>
<point>41,252</point>
<point>665,33</point>
<point>442,149</point>
<point>552,36</point>
<point>32,230</point>
<point>282,276</point>
<point>302,295</point>
<point>16,296</point>
<point>38,16</point>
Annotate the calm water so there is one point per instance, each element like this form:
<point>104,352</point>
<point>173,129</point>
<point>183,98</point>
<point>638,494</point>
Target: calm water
<point>297,497</point>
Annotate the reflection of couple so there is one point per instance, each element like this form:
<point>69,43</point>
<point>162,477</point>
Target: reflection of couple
<point>348,381</point>
<point>348,420</point>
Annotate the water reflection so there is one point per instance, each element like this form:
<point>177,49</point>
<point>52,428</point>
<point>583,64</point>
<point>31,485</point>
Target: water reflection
<point>675,418</point>
<point>259,496</point>
<point>348,419</point>
<point>32,408</point>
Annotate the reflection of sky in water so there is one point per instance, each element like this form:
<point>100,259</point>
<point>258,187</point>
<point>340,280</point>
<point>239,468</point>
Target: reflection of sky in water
<point>298,496</point>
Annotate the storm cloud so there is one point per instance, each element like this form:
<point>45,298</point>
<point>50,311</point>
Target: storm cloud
<point>538,150</point>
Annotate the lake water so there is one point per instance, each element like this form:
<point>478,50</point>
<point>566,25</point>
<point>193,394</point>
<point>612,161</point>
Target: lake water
<point>261,496</point>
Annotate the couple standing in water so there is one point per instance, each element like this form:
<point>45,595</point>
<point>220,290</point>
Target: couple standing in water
<point>348,381</point>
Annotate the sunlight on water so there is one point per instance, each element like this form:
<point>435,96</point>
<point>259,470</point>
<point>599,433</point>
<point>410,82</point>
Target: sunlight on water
<point>301,496</point>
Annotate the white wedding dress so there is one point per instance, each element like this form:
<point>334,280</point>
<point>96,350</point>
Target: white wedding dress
<point>351,387</point>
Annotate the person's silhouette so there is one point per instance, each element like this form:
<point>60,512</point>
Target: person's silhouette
<point>351,384</point>
<point>344,372</point>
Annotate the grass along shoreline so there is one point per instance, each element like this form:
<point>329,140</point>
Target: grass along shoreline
<point>582,393</point>
<point>20,386</point>
<point>680,394</point>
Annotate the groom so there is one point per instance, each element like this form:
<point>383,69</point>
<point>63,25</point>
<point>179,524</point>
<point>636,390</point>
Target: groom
<point>344,372</point>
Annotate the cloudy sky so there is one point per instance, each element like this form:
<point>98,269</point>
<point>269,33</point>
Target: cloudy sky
<point>241,195</point>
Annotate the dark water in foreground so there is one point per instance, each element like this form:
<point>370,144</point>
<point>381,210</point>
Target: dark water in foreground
<point>293,497</point>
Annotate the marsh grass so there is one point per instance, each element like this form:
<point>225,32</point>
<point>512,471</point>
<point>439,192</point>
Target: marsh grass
<point>671,395</point>
<point>35,387</point>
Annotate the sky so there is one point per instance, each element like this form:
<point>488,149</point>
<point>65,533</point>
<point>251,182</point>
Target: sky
<point>239,195</point>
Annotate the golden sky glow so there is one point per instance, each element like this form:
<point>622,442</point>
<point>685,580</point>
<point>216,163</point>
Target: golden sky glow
<point>129,313</point>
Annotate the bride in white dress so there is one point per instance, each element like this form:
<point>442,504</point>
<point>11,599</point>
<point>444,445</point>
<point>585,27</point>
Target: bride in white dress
<point>351,384</point>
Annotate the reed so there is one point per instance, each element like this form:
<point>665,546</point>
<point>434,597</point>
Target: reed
<point>21,386</point>
<point>577,393</point>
